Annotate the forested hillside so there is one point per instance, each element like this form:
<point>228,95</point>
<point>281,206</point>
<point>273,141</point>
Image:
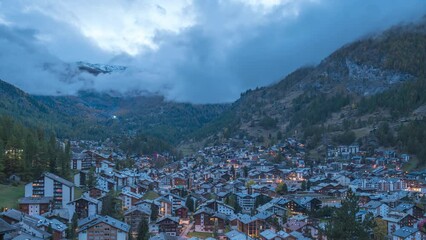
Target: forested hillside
<point>27,152</point>
<point>345,99</point>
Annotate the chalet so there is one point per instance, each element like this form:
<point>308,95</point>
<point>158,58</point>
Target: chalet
<point>289,204</point>
<point>218,206</point>
<point>96,157</point>
<point>310,203</point>
<point>165,206</point>
<point>176,200</point>
<point>5,228</point>
<point>80,178</point>
<point>407,233</point>
<point>249,225</point>
<point>58,229</point>
<point>12,216</point>
<point>324,188</point>
<point>179,182</point>
<point>376,208</point>
<point>129,198</point>
<point>81,161</point>
<point>85,206</point>
<point>106,183</point>
<point>396,220</point>
<point>35,205</point>
<point>272,235</point>
<point>237,235</point>
<point>411,209</point>
<point>169,225</point>
<point>247,201</point>
<point>134,216</point>
<point>96,192</point>
<point>180,211</point>
<point>273,208</point>
<point>102,228</point>
<point>206,219</point>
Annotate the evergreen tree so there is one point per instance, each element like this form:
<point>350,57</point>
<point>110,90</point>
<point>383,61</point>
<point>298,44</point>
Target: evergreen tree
<point>233,172</point>
<point>303,186</point>
<point>245,170</point>
<point>91,178</point>
<point>143,230</point>
<point>73,226</point>
<point>344,225</point>
<point>111,206</point>
<point>281,188</point>
<point>215,228</point>
<point>154,213</point>
<point>190,204</point>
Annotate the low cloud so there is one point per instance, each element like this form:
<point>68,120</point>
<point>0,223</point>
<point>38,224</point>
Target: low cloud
<point>221,49</point>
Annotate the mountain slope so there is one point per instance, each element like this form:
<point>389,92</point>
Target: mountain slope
<point>95,115</point>
<point>324,97</point>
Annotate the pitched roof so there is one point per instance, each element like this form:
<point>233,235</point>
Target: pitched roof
<point>35,200</point>
<point>59,179</point>
<point>404,232</point>
<point>139,208</point>
<point>373,204</point>
<point>174,219</point>
<point>268,234</point>
<point>91,221</point>
<point>5,227</point>
<point>236,235</point>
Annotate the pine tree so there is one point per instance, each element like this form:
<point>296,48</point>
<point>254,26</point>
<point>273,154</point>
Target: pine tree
<point>233,172</point>
<point>73,227</point>
<point>344,225</point>
<point>154,213</point>
<point>143,230</point>
<point>91,178</point>
<point>303,186</point>
<point>245,170</point>
<point>190,204</point>
<point>281,188</point>
<point>308,185</point>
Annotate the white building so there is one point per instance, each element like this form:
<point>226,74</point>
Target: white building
<point>50,185</point>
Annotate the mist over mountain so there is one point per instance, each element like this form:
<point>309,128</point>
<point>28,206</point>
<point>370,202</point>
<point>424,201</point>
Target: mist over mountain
<point>199,52</point>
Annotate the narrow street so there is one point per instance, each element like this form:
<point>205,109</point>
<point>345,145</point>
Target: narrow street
<point>186,230</point>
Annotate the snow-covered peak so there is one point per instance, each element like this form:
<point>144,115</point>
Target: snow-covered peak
<point>96,68</point>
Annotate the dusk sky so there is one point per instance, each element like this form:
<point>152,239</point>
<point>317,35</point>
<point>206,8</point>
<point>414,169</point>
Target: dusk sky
<point>197,51</point>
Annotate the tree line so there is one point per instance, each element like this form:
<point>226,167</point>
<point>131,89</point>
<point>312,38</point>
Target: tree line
<point>28,152</point>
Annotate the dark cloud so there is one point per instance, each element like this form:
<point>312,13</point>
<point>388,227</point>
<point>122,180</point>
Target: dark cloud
<point>232,47</point>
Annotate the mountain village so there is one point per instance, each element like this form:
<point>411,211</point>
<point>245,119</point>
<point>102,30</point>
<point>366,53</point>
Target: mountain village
<point>230,191</point>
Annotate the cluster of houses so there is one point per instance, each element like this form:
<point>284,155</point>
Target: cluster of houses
<point>222,192</point>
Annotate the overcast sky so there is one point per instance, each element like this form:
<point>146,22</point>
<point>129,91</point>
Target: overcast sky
<point>202,51</point>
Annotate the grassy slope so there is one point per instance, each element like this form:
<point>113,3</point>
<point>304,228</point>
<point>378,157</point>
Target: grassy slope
<point>200,234</point>
<point>9,195</point>
<point>150,195</point>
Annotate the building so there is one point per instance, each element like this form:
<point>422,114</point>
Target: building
<point>169,226</point>
<point>219,206</point>
<point>85,206</point>
<point>207,220</point>
<point>35,205</point>
<point>102,228</point>
<point>129,198</point>
<point>246,201</point>
<point>135,215</point>
<point>407,233</point>
<point>50,185</point>
<point>248,225</point>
